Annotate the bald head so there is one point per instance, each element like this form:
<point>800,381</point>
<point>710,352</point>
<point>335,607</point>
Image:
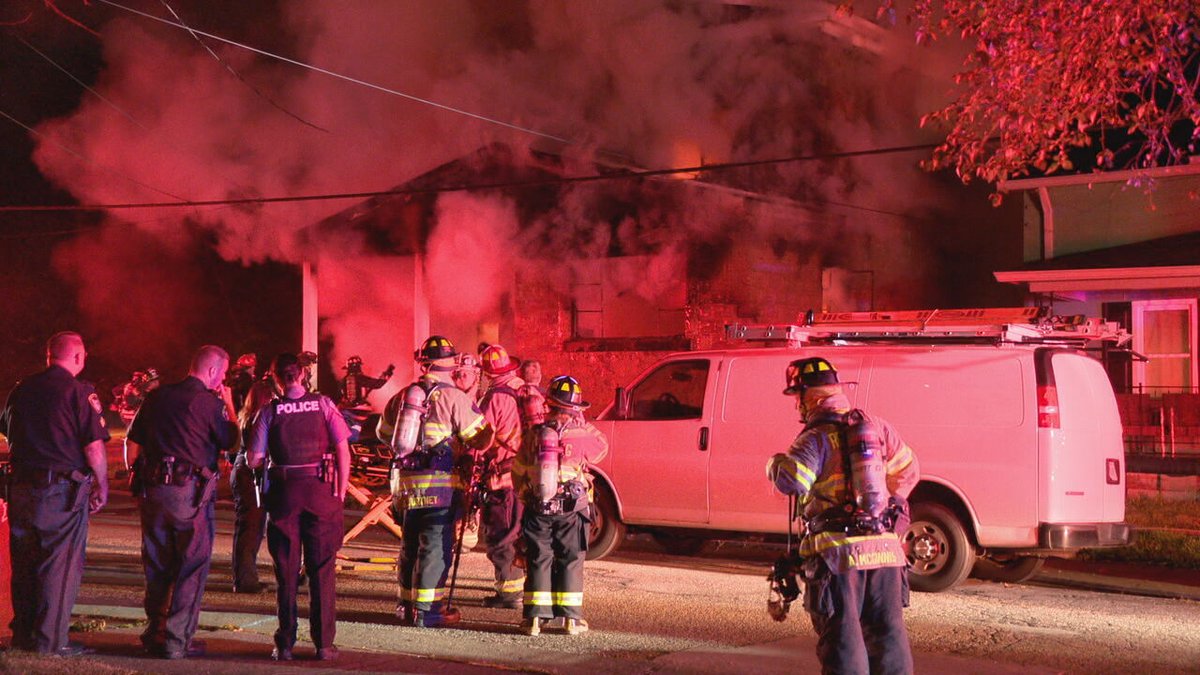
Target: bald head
<point>209,365</point>
<point>66,349</point>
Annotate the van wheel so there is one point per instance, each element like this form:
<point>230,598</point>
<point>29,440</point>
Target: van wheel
<point>1009,570</point>
<point>606,531</point>
<point>937,547</point>
<point>678,544</point>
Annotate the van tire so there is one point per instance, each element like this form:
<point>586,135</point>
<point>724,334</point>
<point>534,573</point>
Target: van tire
<point>939,552</point>
<point>1011,570</point>
<point>606,531</point>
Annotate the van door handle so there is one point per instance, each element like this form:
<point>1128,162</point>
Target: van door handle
<point>703,439</point>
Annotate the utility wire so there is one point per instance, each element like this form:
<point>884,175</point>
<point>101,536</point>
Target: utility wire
<point>475,187</point>
<point>182,201</point>
<point>340,76</point>
<point>238,75</point>
<point>80,82</point>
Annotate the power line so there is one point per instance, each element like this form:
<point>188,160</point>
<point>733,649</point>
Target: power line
<point>340,76</point>
<point>475,187</point>
<point>80,82</point>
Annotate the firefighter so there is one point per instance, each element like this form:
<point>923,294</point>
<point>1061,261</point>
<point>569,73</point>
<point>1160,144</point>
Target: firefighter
<point>434,427</point>
<point>174,444</point>
<point>854,567</point>
<point>308,364</point>
<point>241,377</point>
<point>551,475</point>
<point>358,385</point>
<point>308,473</point>
<point>501,509</point>
<point>55,430</point>
<point>466,375</point>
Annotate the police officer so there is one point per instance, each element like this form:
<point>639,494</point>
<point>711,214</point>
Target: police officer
<point>856,584</point>
<point>174,443</point>
<point>432,420</point>
<point>249,516</point>
<point>551,475</point>
<point>502,510</point>
<point>56,437</point>
<point>304,437</point>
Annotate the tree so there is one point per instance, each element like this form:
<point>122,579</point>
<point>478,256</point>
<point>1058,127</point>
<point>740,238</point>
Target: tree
<point>1060,85</point>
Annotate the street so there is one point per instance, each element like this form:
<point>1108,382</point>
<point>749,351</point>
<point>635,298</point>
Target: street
<point>650,612</point>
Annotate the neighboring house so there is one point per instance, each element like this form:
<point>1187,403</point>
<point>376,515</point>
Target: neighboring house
<point>585,310</point>
<point>1098,246</point>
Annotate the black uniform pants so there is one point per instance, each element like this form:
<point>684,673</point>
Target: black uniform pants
<point>502,511</point>
<point>859,619</point>
<point>249,526</point>
<point>47,536</point>
<point>177,543</point>
<point>426,553</point>
<point>555,548</point>
<point>304,519</point>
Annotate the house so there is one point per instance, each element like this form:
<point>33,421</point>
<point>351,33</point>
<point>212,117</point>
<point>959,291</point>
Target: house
<point>1126,246</point>
<point>599,278</point>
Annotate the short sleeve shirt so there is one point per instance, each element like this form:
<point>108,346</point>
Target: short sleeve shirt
<point>48,420</point>
<point>186,421</point>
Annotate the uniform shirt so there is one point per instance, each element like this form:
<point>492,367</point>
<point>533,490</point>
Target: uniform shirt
<point>583,445</point>
<point>184,420</point>
<point>49,418</point>
<point>298,431</point>
<point>813,470</point>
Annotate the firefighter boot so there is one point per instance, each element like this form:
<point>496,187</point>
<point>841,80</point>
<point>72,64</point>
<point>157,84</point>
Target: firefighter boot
<point>576,626</point>
<point>439,616</point>
<point>532,626</point>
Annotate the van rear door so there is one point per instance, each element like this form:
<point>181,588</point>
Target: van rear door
<point>659,447</point>
<point>1082,453</point>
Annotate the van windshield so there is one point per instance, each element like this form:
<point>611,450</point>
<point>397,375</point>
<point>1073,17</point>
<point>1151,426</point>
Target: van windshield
<point>675,391</point>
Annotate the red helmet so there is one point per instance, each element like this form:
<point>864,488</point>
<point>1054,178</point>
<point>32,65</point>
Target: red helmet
<point>247,361</point>
<point>496,361</point>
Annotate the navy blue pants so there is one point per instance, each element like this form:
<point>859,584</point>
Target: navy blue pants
<point>304,519</point>
<point>502,511</point>
<point>47,536</point>
<point>249,526</point>
<point>555,548</point>
<point>177,543</point>
<point>859,619</point>
<point>426,554</point>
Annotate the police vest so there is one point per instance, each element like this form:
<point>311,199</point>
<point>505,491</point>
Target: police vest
<point>299,433</point>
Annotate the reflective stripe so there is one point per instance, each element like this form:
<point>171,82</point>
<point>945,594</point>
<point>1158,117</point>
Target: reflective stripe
<point>538,598</point>
<point>574,599</point>
<point>798,472</point>
<point>473,428</point>
<point>900,460</point>
<point>429,594</point>
<point>404,594</point>
<point>425,481</point>
<point>824,541</point>
<point>510,586</point>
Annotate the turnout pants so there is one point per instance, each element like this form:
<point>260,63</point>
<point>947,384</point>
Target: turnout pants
<point>555,548</point>
<point>249,526</point>
<point>502,512</point>
<point>47,536</point>
<point>305,519</point>
<point>177,543</point>
<point>859,620</point>
<point>426,553</point>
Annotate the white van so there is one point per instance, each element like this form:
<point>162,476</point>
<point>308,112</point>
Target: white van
<point>1019,442</point>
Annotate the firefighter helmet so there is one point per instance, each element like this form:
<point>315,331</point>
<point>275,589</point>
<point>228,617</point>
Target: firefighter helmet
<point>353,364</point>
<point>465,361</point>
<point>496,361</point>
<point>812,372</point>
<point>434,348</point>
<point>306,359</point>
<point>565,392</point>
<point>151,374</point>
<point>247,360</point>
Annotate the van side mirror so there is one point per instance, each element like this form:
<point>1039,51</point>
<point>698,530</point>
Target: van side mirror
<point>622,406</point>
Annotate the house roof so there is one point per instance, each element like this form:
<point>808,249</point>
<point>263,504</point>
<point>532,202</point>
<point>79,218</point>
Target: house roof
<point>1165,263</point>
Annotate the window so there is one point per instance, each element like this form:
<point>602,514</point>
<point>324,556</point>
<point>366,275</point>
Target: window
<point>1164,331</point>
<point>629,297</point>
<point>675,391</point>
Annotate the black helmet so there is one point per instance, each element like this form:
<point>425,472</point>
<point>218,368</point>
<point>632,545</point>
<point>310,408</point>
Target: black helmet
<point>804,373</point>
<point>354,363</point>
<point>434,348</point>
<point>565,392</point>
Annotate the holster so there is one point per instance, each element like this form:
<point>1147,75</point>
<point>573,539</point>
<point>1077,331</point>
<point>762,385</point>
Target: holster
<point>207,487</point>
<point>81,488</point>
<point>137,477</point>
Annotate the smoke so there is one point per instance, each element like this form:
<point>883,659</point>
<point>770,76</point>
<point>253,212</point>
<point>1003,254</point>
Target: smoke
<point>635,82</point>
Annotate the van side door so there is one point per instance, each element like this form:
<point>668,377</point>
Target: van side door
<point>660,444</point>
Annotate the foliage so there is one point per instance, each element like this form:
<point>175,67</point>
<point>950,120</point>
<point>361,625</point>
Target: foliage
<point>1045,78</point>
<point>1158,546</point>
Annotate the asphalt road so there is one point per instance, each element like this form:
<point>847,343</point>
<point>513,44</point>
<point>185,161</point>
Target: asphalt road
<point>650,612</point>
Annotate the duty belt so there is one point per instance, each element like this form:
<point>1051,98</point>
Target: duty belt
<point>286,472</point>
<point>41,478</point>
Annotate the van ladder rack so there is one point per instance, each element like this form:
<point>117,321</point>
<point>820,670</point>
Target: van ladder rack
<point>1028,325</point>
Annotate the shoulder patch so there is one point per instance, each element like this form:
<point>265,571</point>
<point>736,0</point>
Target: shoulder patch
<point>95,401</point>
